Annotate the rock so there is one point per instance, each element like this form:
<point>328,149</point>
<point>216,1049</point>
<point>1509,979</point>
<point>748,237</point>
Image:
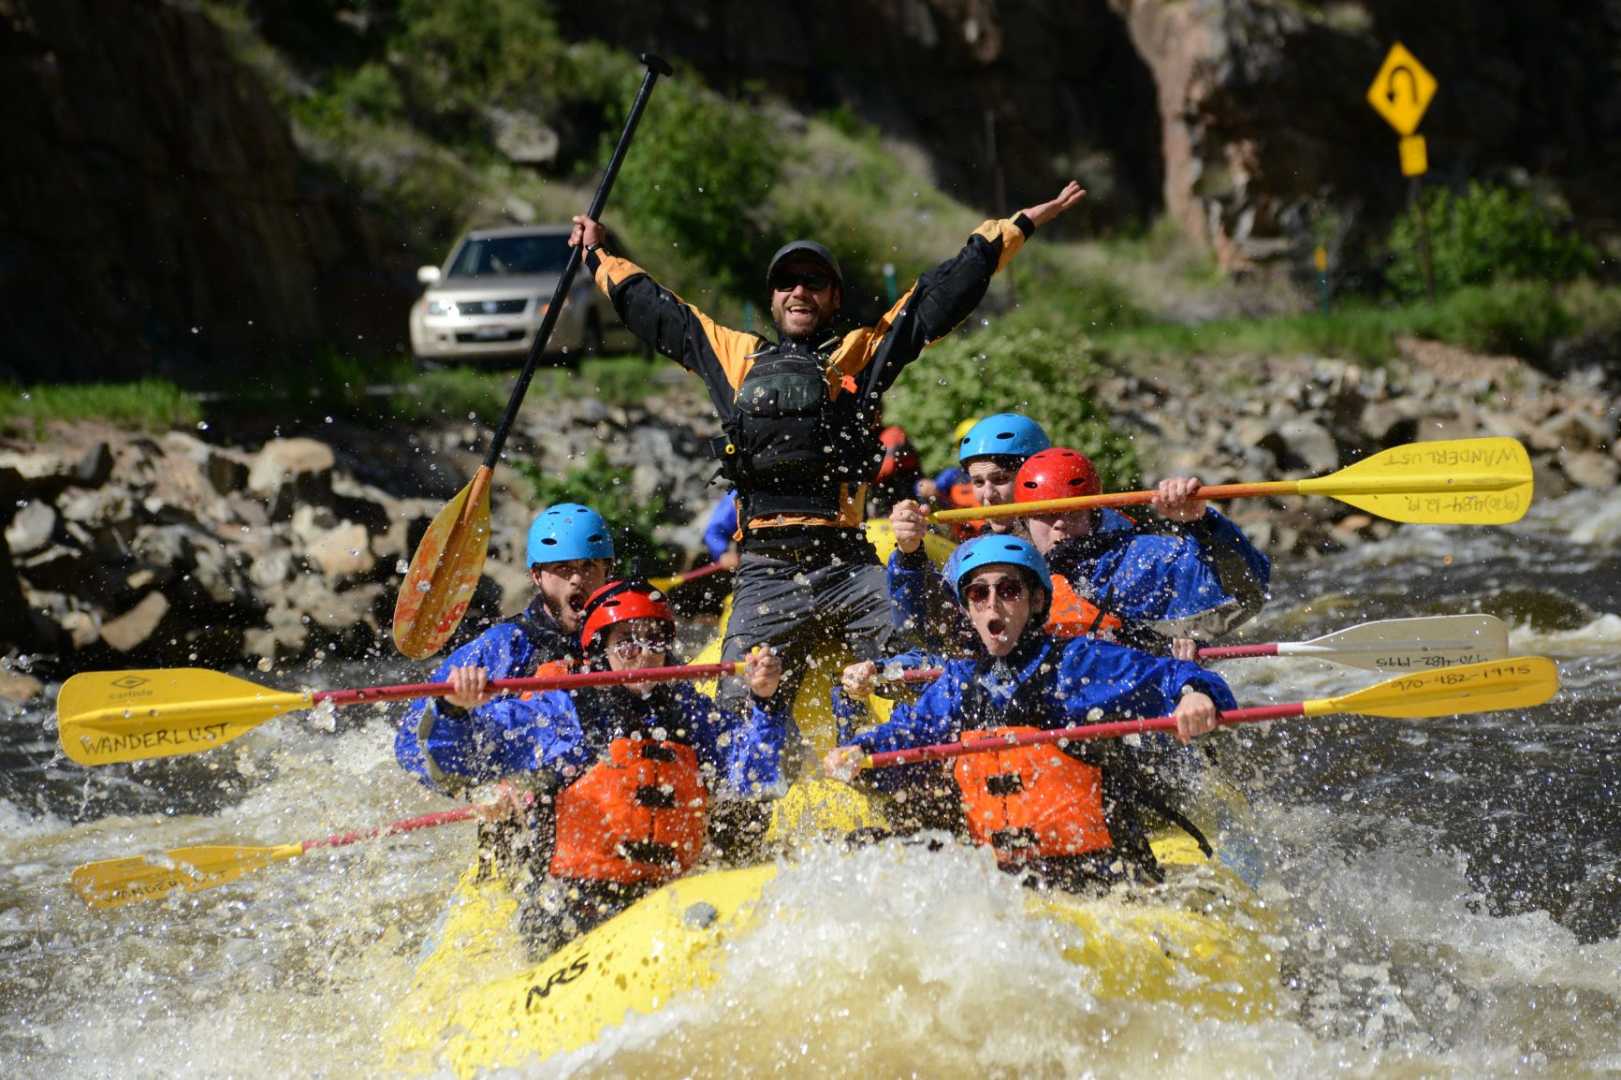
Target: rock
<point>292,472</point>
<point>1301,444</point>
<point>517,588</point>
<point>521,136</point>
<point>136,625</point>
<point>1574,429</point>
<point>31,529</point>
<point>82,627</point>
<point>97,508</point>
<point>1589,468</point>
<point>18,688</point>
<point>342,553</point>
<point>271,569</point>
<point>95,467</point>
<point>310,523</point>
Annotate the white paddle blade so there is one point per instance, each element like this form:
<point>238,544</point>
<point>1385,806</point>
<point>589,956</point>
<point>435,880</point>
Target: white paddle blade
<point>1421,644</point>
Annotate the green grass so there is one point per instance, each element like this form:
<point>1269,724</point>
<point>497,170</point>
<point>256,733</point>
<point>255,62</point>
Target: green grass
<point>480,394</point>
<point>1522,318</point>
<point>147,405</point>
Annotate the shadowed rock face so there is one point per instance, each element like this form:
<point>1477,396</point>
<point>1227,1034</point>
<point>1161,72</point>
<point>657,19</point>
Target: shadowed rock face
<point>1243,119</point>
<point>155,215</point>
<point>151,189</point>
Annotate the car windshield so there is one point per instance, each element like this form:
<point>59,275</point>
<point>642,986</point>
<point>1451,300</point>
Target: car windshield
<point>538,254</point>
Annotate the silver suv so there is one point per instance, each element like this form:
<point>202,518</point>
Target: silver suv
<point>487,301</point>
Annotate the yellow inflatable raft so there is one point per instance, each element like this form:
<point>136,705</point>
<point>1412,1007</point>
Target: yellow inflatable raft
<point>475,1004</point>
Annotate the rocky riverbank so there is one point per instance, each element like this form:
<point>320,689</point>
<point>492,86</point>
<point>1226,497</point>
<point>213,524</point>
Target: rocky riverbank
<point>128,549</point>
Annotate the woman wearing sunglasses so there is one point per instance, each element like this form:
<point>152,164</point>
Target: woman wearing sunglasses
<point>1069,816</point>
<point>627,778</point>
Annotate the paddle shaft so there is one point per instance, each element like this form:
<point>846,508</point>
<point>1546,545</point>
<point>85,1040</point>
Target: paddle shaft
<point>1112,499</point>
<point>655,68</point>
<point>1112,730</point>
<point>693,575</point>
<point>406,691</point>
<point>407,825</point>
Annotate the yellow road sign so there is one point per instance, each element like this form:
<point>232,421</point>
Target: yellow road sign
<point>1414,160</point>
<point>1402,90</point>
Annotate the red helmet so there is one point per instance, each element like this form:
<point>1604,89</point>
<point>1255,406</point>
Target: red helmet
<point>899,456</point>
<point>621,601</point>
<point>1056,473</point>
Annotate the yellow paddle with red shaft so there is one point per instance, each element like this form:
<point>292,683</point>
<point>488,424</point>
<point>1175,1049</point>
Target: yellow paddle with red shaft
<point>116,882</point>
<point>1451,482</point>
<point>1516,683</point>
<point>449,558</point>
<point>105,717</point>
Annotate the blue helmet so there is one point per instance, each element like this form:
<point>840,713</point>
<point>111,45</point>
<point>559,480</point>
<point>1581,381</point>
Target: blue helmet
<point>1003,435</point>
<point>566,532</point>
<point>996,549</point>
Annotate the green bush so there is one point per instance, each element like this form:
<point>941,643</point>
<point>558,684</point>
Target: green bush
<point>1524,318</point>
<point>697,178</point>
<point>1010,368</point>
<point>606,489</point>
<point>1486,233</point>
<point>462,54</point>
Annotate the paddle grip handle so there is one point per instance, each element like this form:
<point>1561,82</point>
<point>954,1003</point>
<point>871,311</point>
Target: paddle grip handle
<point>537,348</point>
<point>407,691</point>
<point>1112,730</point>
<point>1236,652</point>
<point>912,676</point>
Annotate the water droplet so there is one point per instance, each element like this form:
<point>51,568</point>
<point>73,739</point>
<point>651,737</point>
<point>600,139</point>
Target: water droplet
<point>202,425</point>
<point>196,330</point>
<point>265,663</point>
<point>424,586</point>
<point>401,566</point>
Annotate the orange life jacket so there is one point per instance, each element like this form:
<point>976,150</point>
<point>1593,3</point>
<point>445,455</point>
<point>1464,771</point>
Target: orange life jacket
<point>550,669</point>
<point>1072,615</point>
<point>1031,802</point>
<point>638,814</point>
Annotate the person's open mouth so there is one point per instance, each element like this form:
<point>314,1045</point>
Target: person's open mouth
<point>997,627</point>
<point>576,602</point>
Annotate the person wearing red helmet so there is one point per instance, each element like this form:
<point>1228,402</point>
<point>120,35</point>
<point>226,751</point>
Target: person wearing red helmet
<point>627,780</point>
<point>1192,575</point>
<point>898,472</point>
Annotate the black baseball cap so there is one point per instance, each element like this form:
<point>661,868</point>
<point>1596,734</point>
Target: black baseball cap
<point>805,247</point>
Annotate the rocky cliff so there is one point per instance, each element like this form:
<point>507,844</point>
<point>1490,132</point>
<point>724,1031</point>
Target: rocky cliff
<point>157,215</point>
<point>154,213</point>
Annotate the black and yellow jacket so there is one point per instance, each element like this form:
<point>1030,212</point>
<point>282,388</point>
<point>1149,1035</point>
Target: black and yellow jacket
<point>863,362</point>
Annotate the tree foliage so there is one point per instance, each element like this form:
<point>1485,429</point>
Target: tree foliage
<point>1486,233</point>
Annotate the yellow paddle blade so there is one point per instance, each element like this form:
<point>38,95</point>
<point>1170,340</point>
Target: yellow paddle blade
<point>104,717</point>
<point>116,882</point>
<point>1516,683</point>
<point>1448,482</point>
<point>665,584</point>
<point>444,571</point>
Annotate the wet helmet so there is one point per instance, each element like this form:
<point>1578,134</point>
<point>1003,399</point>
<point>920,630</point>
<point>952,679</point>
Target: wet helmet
<point>1056,473</point>
<point>1002,435</point>
<point>996,549</point>
<point>899,456</point>
<point>566,532</point>
<point>810,248</point>
<point>621,601</point>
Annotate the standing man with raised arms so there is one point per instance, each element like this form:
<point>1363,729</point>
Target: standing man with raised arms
<point>801,420</point>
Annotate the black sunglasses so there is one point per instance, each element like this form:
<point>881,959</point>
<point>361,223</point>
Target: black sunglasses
<point>786,280</point>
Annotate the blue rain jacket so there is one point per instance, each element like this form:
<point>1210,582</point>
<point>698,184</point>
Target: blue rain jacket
<point>722,527</point>
<point>566,733</point>
<point>1090,675</point>
<point>1197,580</point>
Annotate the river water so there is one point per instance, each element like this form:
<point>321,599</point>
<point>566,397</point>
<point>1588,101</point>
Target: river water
<point>1448,891</point>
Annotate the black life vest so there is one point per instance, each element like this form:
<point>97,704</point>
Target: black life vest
<point>789,446</point>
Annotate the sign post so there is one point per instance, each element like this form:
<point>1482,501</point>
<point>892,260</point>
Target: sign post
<point>1400,93</point>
